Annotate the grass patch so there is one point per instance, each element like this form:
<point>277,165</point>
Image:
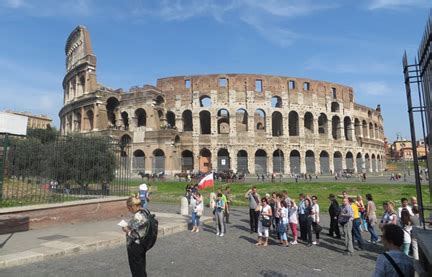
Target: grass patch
<point>171,192</point>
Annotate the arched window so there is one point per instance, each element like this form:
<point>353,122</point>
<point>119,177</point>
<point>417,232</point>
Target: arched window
<point>89,120</point>
<point>223,121</point>
<point>138,162</point>
<point>276,102</point>
<point>205,101</point>
<point>357,127</point>
<point>308,124</point>
<point>278,161</point>
<point>310,162</point>
<point>371,131</point>
<point>223,160</point>
<point>187,162</point>
<point>335,107</point>
<point>293,123</point>
<point>324,162</point>
<point>187,121</point>
<point>111,106</point>
<point>205,160</point>
<point>349,161</point>
<point>337,162</point>
<point>159,100</point>
<point>277,124</point>
<point>158,161</point>
<point>205,122</point>
<point>359,163</point>
<point>125,118</point>
<point>141,117</point>
<point>126,139</point>
<point>295,162</point>
<point>348,128</point>
<point>260,118</point>
<point>241,120</point>
<point>336,127</point>
<point>170,117</point>
<point>322,124</point>
<point>365,129</point>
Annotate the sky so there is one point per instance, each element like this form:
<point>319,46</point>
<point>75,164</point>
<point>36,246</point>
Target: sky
<point>358,43</point>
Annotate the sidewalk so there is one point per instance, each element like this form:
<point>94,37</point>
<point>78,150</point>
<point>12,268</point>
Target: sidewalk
<point>37,245</point>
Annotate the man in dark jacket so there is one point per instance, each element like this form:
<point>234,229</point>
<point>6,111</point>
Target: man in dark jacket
<point>334,211</point>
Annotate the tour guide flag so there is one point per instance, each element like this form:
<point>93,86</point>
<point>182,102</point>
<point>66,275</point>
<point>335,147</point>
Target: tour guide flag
<point>207,181</point>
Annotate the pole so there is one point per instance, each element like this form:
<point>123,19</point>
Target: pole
<point>2,163</point>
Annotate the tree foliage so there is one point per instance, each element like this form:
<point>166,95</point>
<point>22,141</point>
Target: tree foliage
<point>74,160</point>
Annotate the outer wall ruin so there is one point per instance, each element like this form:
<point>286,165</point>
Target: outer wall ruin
<point>244,122</point>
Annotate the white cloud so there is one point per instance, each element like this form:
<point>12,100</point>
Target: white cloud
<point>375,88</point>
<point>15,4</point>
<point>395,4</point>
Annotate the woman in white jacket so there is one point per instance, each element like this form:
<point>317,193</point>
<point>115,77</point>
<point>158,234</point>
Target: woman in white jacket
<point>197,211</point>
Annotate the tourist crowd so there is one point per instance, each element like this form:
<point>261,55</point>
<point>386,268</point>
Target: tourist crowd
<point>281,215</point>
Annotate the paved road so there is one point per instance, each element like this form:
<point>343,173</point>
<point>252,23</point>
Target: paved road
<point>198,254</point>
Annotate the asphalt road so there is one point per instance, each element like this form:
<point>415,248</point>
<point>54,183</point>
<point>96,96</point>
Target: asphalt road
<point>204,254</point>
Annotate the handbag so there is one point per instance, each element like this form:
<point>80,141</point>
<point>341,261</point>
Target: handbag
<point>317,228</point>
<point>266,222</point>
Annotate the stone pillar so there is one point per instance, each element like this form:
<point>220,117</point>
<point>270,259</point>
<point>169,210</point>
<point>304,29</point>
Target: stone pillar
<point>95,117</point>
<point>285,129</point>
<point>317,164</point>
<point>214,159</point>
<point>343,162</point>
<point>287,168</point>
<point>316,127</point>
<point>233,160</point>
<point>179,124</point>
<point>268,123</point>
<point>301,126</point>
<point>269,162</point>
<point>353,137</point>
<point>251,163</point>
<point>302,162</point>
<point>342,130</point>
<point>329,129</point>
<point>331,163</point>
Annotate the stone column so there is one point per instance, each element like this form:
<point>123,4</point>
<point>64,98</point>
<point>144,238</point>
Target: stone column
<point>269,162</point>
<point>268,123</point>
<point>302,162</point>
<point>233,160</point>
<point>214,159</point>
<point>287,169</point>
<point>301,125</point>
<point>285,129</point>
<point>251,163</point>
<point>179,124</point>
<point>329,129</point>
<point>331,163</point>
<point>316,127</point>
<point>355,163</point>
<point>342,130</point>
<point>317,164</point>
<point>343,162</point>
<point>95,117</point>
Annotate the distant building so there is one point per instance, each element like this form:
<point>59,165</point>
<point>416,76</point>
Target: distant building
<point>35,121</point>
<point>403,150</point>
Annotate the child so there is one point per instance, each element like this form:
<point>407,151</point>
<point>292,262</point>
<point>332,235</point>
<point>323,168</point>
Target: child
<point>219,213</point>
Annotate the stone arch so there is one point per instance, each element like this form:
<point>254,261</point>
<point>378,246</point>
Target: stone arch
<point>187,161</point>
<point>336,133</point>
<point>371,131</point>
<point>308,124</point>
<point>187,121</point>
<point>171,119</point>
<point>241,120</point>
<point>223,159</point>
<point>337,162</point>
<point>111,106</point>
<point>260,120</point>
<point>357,127</point>
<point>278,161</point>
<point>205,101</point>
<point>347,128</point>
<point>324,162</point>
<point>293,123</point>
<point>138,162</point>
<point>359,162</point>
<point>205,122</point>
<point>323,124</point>
<point>242,161</point>
<point>125,139</point>
<point>365,129</point>
<point>260,162</point>
<point>335,107</point>
<point>159,100</point>
<point>89,121</point>
<point>125,118</point>
<point>295,161</point>
<point>205,160</point>
<point>223,121</point>
<point>277,124</point>
<point>367,162</point>
<point>158,161</point>
<point>377,132</point>
<point>310,162</point>
<point>349,160</point>
<point>141,117</point>
<point>374,163</point>
<point>276,102</point>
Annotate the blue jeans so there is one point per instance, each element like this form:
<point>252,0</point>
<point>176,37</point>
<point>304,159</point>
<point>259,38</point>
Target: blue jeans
<point>356,232</point>
<point>195,219</point>
<point>282,230</point>
<point>372,232</point>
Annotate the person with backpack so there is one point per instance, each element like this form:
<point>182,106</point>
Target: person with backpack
<point>141,235</point>
<point>393,262</point>
<point>144,195</point>
<point>334,211</point>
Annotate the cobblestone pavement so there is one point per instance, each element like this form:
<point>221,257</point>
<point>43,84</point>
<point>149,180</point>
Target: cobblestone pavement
<point>203,253</point>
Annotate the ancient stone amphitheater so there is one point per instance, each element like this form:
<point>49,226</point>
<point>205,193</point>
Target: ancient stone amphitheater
<point>244,122</point>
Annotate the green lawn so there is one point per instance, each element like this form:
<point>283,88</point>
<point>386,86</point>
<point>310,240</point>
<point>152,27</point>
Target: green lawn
<point>171,192</point>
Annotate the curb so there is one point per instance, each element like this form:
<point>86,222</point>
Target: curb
<point>55,249</point>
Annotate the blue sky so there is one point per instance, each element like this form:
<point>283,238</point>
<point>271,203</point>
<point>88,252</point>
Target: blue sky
<point>353,42</point>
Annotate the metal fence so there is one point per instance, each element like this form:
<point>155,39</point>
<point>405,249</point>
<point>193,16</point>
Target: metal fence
<point>69,168</point>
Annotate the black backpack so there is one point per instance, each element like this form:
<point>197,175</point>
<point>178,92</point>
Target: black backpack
<point>149,239</point>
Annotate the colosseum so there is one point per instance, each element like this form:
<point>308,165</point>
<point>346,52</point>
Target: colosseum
<point>249,123</point>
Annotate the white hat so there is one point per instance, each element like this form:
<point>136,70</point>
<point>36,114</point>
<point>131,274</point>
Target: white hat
<point>143,187</point>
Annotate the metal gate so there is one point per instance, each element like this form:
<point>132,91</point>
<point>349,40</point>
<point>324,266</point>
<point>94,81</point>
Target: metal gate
<point>359,162</point>
<point>325,165</point>
<point>33,171</point>
<point>310,165</point>
<point>223,163</point>
<point>278,165</point>
<point>337,163</point>
<point>187,164</point>
<point>295,164</point>
<point>242,164</point>
<point>138,164</point>
<point>158,164</point>
<point>349,163</point>
<point>260,165</point>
